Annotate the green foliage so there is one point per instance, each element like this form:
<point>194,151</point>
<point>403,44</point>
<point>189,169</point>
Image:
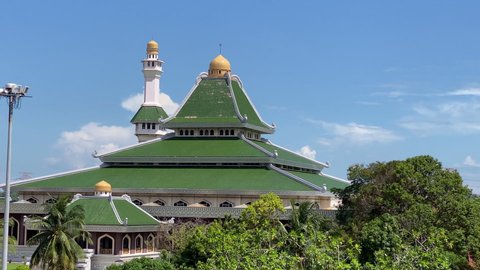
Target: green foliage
<point>397,209</point>
<point>57,247</point>
<point>410,214</point>
<point>12,242</point>
<point>143,264</point>
<point>254,241</point>
<point>22,267</point>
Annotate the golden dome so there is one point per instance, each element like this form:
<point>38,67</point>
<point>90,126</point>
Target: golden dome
<point>219,66</point>
<point>152,47</point>
<point>103,186</point>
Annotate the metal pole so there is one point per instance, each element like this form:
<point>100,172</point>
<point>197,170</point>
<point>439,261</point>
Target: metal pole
<point>6,213</point>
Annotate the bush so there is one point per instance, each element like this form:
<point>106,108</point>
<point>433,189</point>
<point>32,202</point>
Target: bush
<point>143,264</point>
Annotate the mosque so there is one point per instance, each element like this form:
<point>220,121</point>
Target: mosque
<point>207,160</point>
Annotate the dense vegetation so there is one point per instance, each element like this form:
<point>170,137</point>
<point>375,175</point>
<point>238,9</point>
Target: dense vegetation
<point>411,214</point>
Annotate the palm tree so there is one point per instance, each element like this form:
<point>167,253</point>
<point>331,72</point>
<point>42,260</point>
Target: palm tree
<point>58,231</point>
<point>11,239</point>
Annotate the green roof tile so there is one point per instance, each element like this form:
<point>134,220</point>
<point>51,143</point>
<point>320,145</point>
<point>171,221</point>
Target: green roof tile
<point>210,102</point>
<point>99,211</point>
<point>245,106</point>
<point>320,180</point>
<point>237,179</point>
<point>135,215</point>
<point>192,147</point>
<point>149,114</point>
<point>286,155</point>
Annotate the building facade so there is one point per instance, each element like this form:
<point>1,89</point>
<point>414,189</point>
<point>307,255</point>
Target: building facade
<point>207,160</point>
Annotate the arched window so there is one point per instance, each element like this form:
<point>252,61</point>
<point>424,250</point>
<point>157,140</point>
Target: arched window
<point>221,132</point>
<point>32,200</point>
<point>232,132</point>
<point>226,204</point>
<point>211,132</point>
<point>180,203</point>
<point>206,132</point>
<point>160,202</point>
<point>206,203</point>
<point>181,132</point>
<point>137,202</point>
<point>150,243</point>
<point>51,200</point>
<point>191,132</point>
<point>139,244</point>
<point>14,229</point>
<point>105,244</point>
<point>201,132</point>
<point>126,245</point>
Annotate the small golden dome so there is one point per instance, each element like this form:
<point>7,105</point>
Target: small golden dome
<point>219,66</point>
<point>152,47</point>
<point>103,186</point>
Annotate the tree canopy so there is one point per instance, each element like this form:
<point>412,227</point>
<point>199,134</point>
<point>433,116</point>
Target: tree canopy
<point>413,209</point>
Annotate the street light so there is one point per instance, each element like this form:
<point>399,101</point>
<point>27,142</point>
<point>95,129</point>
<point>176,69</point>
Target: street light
<point>13,93</point>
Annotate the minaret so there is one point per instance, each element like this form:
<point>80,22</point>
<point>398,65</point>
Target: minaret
<point>148,117</point>
<point>152,71</point>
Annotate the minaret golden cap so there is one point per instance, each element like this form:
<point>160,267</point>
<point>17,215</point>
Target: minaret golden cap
<point>152,47</point>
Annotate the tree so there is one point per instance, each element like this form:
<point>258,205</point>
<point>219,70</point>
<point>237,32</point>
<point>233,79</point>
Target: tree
<point>58,231</point>
<point>11,240</point>
<point>256,240</point>
<point>413,200</point>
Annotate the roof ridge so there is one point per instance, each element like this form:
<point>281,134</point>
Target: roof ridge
<point>296,178</point>
<point>234,98</point>
<point>256,146</point>
<point>240,83</point>
<point>199,78</point>
<point>41,178</point>
<point>115,211</point>
<point>128,147</point>
<point>295,153</point>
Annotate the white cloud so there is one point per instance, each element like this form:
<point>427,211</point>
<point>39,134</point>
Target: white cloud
<point>134,102</point>
<point>465,92</point>
<point>354,133</point>
<point>444,118</point>
<point>367,103</point>
<point>470,162</point>
<point>77,146</point>
<point>308,152</point>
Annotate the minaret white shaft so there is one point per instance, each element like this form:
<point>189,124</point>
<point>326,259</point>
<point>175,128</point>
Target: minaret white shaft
<point>152,71</point>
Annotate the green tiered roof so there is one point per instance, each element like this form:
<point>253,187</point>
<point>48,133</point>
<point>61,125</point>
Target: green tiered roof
<point>140,179</point>
<point>104,211</point>
<point>149,114</point>
<point>210,150</point>
<point>213,103</point>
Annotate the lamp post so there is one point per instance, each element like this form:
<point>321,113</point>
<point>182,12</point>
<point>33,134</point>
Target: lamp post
<point>13,93</point>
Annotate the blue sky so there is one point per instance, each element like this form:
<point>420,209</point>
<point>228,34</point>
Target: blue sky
<point>345,81</point>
